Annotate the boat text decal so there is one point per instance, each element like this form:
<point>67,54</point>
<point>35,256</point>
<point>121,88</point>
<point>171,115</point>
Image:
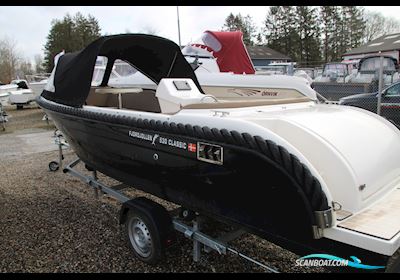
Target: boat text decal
<point>252,92</point>
<point>155,139</point>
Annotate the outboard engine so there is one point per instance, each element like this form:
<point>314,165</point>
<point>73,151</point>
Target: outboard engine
<point>22,85</point>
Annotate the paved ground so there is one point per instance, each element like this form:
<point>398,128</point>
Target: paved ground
<point>26,142</point>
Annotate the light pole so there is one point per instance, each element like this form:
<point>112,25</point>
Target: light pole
<point>378,107</point>
<point>179,28</point>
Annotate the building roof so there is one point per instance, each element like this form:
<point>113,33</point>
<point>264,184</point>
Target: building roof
<point>263,52</point>
<point>384,43</point>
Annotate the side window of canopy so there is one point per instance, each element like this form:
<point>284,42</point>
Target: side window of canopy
<point>123,74</point>
<point>99,70</point>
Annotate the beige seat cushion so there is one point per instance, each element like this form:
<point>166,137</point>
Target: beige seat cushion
<point>140,101</point>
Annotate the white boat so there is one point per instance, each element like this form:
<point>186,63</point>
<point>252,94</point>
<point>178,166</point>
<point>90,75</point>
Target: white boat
<point>5,92</point>
<point>309,177</point>
<point>7,88</point>
<point>27,90</point>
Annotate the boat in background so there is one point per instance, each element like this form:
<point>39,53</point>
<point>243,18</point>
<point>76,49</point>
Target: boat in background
<point>341,79</point>
<point>4,98</point>
<point>223,68</point>
<point>26,91</point>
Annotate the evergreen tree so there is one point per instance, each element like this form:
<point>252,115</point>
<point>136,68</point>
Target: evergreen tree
<point>243,24</point>
<point>327,29</point>
<point>273,28</point>
<point>291,37</point>
<point>69,34</point>
<point>355,26</point>
<point>308,30</point>
<point>280,30</point>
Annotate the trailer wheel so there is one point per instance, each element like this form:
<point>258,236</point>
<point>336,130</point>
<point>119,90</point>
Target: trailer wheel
<point>143,236</point>
<point>393,265</point>
<point>20,107</point>
<point>53,166</point>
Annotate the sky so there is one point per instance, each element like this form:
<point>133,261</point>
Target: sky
<point>28,26</point>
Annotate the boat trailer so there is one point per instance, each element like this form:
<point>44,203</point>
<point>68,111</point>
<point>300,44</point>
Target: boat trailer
<point>179,217</point>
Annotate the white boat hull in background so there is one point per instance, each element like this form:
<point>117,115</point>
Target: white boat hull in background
<point>4,98</point>
<point>21,97</point>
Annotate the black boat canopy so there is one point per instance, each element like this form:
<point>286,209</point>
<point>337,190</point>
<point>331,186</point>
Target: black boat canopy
<point>154,56</point>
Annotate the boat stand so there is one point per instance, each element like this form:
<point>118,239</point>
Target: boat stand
<point>201,241</point>
<point>60,142</point>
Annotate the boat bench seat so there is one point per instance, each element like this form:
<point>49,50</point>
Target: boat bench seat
<point>244,103</point>
<point>145,100</point>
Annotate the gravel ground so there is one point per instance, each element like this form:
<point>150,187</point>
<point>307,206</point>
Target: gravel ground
<point>52,222</point>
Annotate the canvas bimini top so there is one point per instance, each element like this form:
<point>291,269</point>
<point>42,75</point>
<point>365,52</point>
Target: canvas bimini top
<point>154,56</point>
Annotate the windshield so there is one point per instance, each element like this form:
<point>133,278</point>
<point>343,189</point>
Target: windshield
<point>339,69</point>
<point>373,64</point>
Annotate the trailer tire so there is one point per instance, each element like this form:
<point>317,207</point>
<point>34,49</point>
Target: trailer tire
<point>393,265</point>
<point>143,235</point>
<point>20,107</point>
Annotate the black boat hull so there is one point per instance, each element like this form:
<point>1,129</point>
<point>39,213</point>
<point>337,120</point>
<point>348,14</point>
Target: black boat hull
<point>248,189</point>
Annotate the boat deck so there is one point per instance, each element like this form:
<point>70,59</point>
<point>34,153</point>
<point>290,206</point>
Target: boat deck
<point>382,220</point>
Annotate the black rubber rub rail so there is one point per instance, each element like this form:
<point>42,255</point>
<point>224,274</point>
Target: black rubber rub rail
<point>310,185</point>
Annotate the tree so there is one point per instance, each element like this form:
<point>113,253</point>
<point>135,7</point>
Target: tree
<point>259,40</point>
<point>377,25</point>
<point>243,24</point>
<point>38,64</point>
<point>374,27</point>
<point>327,23</point>
<point>24,68</point>
<point>355,26</point>
<point>69,34</point>
<point>280,30</point>
<point>273,28</point>
<point>308,30</point>
<point>392,25</point>
<point>149,29</point>
<point>9,59</point>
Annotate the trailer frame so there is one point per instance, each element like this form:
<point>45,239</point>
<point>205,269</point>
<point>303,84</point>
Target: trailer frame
<point>201,241</point>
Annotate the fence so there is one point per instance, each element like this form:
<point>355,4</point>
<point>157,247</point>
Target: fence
<point>373,87</point>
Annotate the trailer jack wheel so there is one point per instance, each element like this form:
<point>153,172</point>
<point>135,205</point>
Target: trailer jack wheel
<point>143,237</point>
<point>53,166</point>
